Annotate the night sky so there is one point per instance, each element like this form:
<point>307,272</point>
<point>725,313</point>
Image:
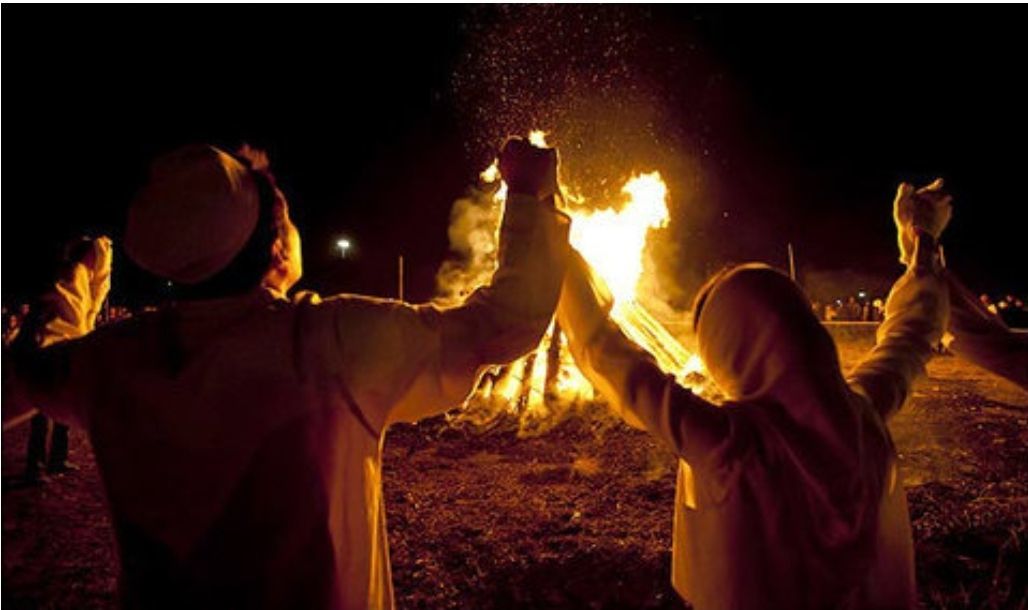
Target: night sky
<point>771,124</point>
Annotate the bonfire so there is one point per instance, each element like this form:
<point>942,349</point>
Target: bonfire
<point>544,386</point>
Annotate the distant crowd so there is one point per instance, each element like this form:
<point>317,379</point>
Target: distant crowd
<point>853,309</point>
<point>14,318</point>
<point>864,308</point>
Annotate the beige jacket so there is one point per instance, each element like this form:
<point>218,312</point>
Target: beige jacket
<point>788,496</point>
<point>240,440</point>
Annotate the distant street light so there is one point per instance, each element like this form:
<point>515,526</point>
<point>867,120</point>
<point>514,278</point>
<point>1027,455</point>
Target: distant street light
<point>343,245</point>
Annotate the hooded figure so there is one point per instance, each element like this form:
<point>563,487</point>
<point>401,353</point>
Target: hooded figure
<point>238,432</point>
<point>788,494</point>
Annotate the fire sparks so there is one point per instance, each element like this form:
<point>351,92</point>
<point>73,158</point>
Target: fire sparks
<point>613,242</point>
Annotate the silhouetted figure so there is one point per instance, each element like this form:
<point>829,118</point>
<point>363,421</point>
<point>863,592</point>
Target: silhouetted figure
<point>239,432</point>
<point>788,494</point>
<point>853,310</point>
<point>832,311</point>
<point>83,277</point>
<point>12,324</point>
<point>42,428</point>
<point>818,308</point>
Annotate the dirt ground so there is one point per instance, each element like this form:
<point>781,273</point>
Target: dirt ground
<point>581,516</point>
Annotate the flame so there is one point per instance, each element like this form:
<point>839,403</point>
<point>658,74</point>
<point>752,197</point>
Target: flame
<point>613,242</point>
<point>614,245</point>
<point>492,173</point>
<point>489,176</point>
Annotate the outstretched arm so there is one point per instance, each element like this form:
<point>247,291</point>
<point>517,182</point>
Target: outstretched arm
<point>980,336</point>
<point>628,376</point>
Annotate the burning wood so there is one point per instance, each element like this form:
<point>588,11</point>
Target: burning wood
<point>545,385</point>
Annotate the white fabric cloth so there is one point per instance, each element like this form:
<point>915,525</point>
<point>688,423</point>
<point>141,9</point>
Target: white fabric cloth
<point>73,305</point>
<point>927,209</point>
<point>196,212</point>
<point>240,439</point>
<point>788,496</point>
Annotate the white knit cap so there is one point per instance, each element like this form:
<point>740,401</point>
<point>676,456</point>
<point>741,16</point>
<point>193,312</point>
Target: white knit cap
<point>194,215</point>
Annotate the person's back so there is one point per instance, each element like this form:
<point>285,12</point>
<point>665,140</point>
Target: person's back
<point>758,526</point>
<point>229,463</point>
<point>788,494</point>
<point>796,504</point>
<point>239,438</point>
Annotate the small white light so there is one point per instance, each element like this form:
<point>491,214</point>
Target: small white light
<point>344,245</point>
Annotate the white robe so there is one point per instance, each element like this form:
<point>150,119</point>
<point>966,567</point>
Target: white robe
<point>788,496</point>
<point>239,440</point>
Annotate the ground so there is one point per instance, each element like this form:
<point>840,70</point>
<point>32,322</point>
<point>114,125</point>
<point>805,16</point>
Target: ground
<point>581,517</point>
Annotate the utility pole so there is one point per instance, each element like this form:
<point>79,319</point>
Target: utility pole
<point>792,263</point>
<point>399,278</point>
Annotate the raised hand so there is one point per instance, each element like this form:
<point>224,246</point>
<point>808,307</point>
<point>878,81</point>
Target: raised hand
<point>925,211</point>
<point>527,169</point>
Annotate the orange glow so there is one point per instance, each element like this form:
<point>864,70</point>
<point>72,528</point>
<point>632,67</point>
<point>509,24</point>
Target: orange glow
<point>613,241</point>
<point>537,137</point>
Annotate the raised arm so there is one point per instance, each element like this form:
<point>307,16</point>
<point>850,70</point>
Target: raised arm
<point>404,362</point>
<point>74,303</point>
<point>628,376</point>
<point>917,307</point>
<point>52,377</point>
<point>974,334</point>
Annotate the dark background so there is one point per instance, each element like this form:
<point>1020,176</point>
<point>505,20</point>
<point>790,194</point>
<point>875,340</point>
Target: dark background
<point>788,124</point>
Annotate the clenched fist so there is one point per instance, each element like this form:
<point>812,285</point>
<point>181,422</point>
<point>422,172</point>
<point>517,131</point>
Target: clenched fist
<point>925,210</point>
<point>529,170</point>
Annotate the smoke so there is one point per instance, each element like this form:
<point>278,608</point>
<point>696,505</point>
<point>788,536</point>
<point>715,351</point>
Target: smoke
<point>538,391</point>
<point>473,234</point>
